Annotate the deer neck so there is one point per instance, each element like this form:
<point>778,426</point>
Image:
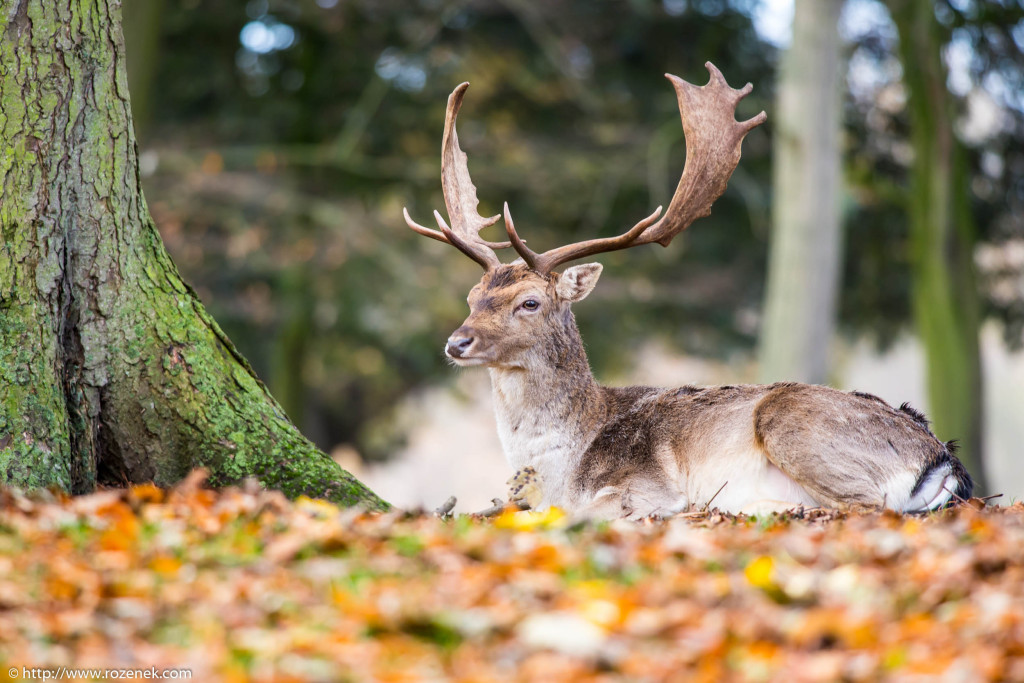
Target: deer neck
<point>549,408</point>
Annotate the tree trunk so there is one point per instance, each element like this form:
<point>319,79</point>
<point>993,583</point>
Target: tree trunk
<point>110,367</point>
<point>804,266</point>
<point>944,296</point>
<point>142,47</point>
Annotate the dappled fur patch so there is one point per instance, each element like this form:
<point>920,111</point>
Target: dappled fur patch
<point>624,448</point>
<point>489,304</point>
<point>506,276</point>
<point>727,393</point>
<point>688,390</point>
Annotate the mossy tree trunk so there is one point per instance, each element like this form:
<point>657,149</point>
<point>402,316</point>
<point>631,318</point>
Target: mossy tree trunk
<point>110,367</point>
<point>944,296</point>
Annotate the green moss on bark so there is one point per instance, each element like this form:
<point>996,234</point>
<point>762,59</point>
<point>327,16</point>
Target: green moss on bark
<point>109,364</point>
<point>34,438</point>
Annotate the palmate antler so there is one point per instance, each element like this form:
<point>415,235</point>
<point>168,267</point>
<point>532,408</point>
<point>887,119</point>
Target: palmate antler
<point>459,197</point>
<point>713,141</point>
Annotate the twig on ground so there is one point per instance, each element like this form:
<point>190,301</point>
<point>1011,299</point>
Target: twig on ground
<point>500,506</point>
<point>961,500</point>
<point>446,508</point>
<point>708,504</point>
<point>496,509</point>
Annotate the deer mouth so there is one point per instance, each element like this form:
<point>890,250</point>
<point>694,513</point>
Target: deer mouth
<point>469,357</point>
<point>469,361</point>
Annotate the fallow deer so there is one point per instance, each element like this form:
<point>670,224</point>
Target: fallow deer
<point>634,452</point>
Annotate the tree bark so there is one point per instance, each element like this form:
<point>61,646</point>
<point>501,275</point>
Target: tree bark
<point>804,261</point>
<point>110,368</point>
<point>944,294</point>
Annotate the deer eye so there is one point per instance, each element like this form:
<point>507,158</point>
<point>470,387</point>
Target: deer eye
<point>530,305</point>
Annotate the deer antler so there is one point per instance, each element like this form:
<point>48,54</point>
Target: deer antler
<point>459,197</point>
<point>713,140</point>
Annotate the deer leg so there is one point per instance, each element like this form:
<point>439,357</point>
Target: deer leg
<point>637,501</point>
<point>611,502</point>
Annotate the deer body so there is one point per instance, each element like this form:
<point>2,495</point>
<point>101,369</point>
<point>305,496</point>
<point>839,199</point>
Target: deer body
<point>635,452</point>
<point>640,451</point>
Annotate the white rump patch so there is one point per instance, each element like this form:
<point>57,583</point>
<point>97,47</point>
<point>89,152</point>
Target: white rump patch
<point>935,491</point>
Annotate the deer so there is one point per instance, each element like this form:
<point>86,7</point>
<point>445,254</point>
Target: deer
<point>641,452</point>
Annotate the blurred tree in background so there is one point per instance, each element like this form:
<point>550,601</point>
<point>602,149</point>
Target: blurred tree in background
<point>941,153</point>
<point>284,136</point>
<point>803,277</point>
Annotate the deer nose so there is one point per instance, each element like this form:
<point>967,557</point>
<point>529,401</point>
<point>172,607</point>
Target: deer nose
<point>458,345</point>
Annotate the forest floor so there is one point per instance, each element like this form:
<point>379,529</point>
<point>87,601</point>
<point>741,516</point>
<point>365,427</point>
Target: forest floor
<point>246,585</point>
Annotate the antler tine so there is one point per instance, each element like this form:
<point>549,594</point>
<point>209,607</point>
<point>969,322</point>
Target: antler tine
<point>713,141</point>
<point>460,197</point>
<point>422,229</point>
<point>439,236</point>
<point>528,255</point>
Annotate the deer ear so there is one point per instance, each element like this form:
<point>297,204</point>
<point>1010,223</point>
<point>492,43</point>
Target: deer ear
<point>575,283</point>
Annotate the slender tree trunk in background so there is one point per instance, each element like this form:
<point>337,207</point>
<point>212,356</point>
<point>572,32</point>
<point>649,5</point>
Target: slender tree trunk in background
<point>110,367</point>
<point>142,48</point>
<point>286,372</point>
<point>944,293</point>
<point>804,265</point>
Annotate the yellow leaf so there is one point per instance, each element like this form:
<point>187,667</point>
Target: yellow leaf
<point>316,506</point>
<point>526,520</point>
<point>165,565</point>
<point>759,572</point>
<point>894,658</point>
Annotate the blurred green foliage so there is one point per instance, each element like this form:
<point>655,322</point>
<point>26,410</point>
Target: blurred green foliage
<point>984,55</point>
<point>285,136</point>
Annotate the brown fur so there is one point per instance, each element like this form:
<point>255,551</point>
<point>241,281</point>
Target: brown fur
<point>636,451</point>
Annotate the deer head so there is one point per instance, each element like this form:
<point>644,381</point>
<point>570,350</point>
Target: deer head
<point>517,305</point>
<point>514,309</point>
